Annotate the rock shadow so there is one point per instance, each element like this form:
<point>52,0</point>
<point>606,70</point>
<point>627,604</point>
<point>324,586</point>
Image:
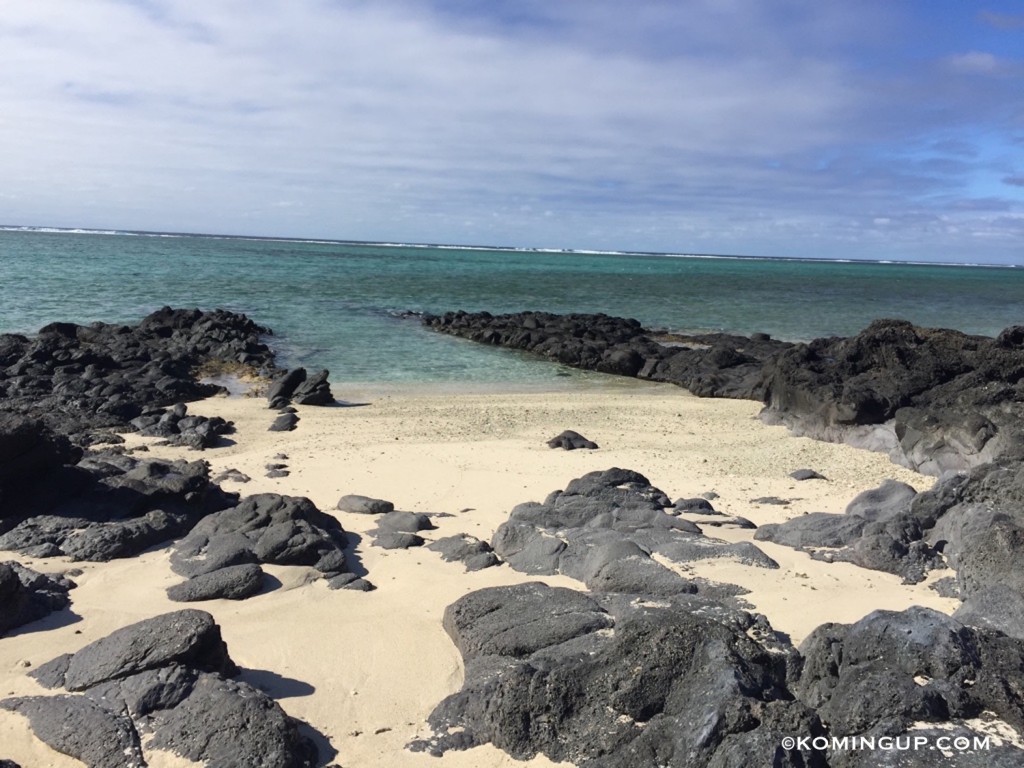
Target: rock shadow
<point>56,620</point>
<point>354,562</point>
<point>276,686</point>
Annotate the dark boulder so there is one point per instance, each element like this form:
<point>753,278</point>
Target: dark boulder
<point>936,399</point>
<point>187,637</point>
<point>364,505</point>
<point>265,528</point>
<point>469,550</point>
<point>82,729</point>
<point>26,596</point>
<point>80,380</point>
<point>609,529</point>
<point>570,440</point>
<point>114,505</point>
<point>890,670</point>
<point>164,677</point>
<point>710,365</point>
<point>234,582</point>
<point>315,390</point>
<point>680,683</point>
<point>281,389</point>
<point>286,422</point>
<point>878,531</point>
<point>223,722</point>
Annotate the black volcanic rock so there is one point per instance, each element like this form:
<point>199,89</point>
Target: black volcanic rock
<point>265,528</point>
<point>82,729</point>
<point>712,365</point>
<point>877,531</point>
<point>26,595</point>
<point>935,399</point>
<point>173,424</point>
<point>679,683</point>
<point>605,529</point>
<point>112,505</point>
<point>315,390</point>
<point>364,505</point>
<point>281,389</point>
<point>233,582</point>
<point>469,550</point>
<point>79,379</point>
<point>186,637</point>
<point>285,422</point>
<point>165,677</point>
<point>570,441</point>
<point>890,670</point>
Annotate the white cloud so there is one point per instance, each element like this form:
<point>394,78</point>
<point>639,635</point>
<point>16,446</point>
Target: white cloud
<point>392,120</point>
<point>975,63</point>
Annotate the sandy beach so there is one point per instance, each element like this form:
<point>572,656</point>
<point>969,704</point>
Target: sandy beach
<point>365,669</point>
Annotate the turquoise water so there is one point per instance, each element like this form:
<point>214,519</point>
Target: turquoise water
<point>334,305</point>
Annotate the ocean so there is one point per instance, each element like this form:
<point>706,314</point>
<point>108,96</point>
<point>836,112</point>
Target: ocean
<point>342,305</point>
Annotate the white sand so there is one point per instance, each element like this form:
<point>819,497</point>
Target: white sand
<point>365,669</point>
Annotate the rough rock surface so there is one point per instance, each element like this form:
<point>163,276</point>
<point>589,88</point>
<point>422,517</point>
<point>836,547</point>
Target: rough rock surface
<point>233,582</point>
<point>178,428</point>
<point>165,678</point>
<point>286,422</point>
<point>265,528</point>
<point>890,670</point>
<point>298,387</point>
<point>878,530</point>
<point>605,529</point>
<point>79,379</point>
<point>712,365</point>
<point>971,521</point>
<point>112,505</point>
<point>630,682</point>
<point>27,596</point>
<point>468,550</point>
<point>936,399</point>
<point>627,680</point>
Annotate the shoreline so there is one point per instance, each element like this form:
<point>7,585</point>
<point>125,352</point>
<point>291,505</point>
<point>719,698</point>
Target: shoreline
<point>365,669</point>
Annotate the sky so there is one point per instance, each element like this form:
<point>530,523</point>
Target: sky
<point>883,129</point>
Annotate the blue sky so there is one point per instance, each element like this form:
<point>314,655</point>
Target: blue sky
<point>772,127</point>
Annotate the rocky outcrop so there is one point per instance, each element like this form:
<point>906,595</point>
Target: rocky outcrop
<point>609,529</point>
<point>162,683</point>
<point>890,670</point>
<point>178,428</point>
<point>298,387</point>
<point>878,531</point>
<point>681,682</point>
<point>936,399</point>
<point>265,528</point>
<point>112,505</point>
<point>79,379</point>
<point>711,365</point>
<point>400,530</point>
<point>617,681</point>
<point>468,550</point>
<point>972,522</point>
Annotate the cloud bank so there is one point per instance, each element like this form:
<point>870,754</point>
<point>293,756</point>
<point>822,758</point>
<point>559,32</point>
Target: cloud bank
<point>872,130</point>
